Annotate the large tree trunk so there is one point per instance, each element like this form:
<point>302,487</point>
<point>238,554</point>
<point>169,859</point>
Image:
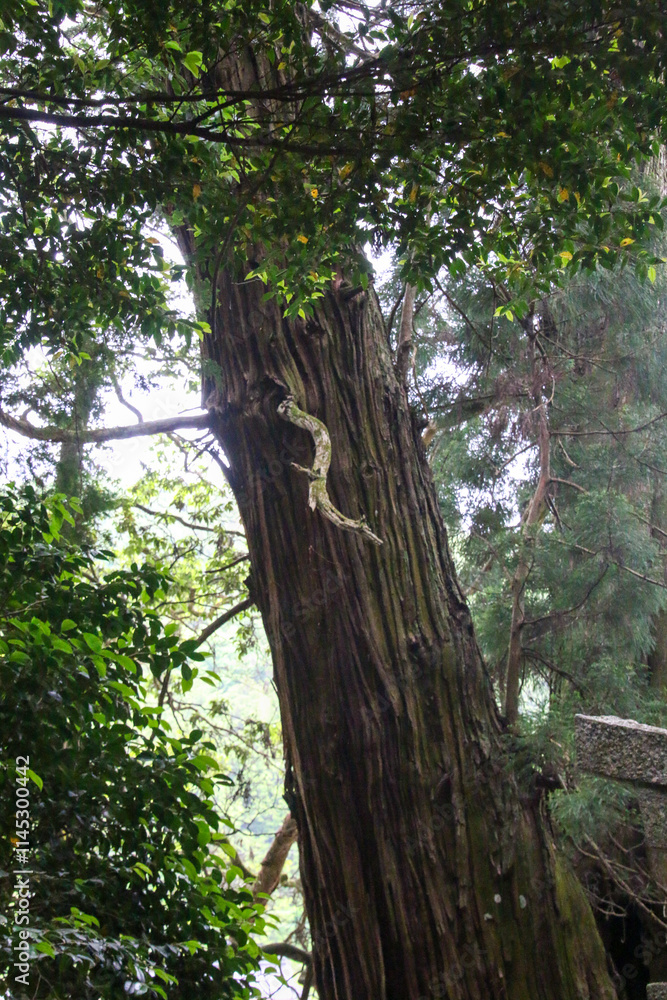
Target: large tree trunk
<point>425,875</point>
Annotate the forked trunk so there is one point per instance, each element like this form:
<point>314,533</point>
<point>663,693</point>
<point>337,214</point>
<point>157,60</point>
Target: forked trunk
<point>425,875</point>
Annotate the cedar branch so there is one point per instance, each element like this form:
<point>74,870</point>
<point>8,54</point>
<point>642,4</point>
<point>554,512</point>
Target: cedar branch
<point>100,434</point>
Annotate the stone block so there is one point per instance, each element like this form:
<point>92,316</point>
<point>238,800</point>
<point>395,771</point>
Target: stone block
<point>656,991</point>
<point>623,750</point>
<point>653,805</point>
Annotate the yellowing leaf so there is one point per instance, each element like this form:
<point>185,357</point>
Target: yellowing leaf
<point>196,191</point>
<point>626,242</point>
<point>546,168</point>
<point>314,192</point>
<point>301,238</point>
<point>563,194</point>
<point>413,194</point>
<point>345,171</point>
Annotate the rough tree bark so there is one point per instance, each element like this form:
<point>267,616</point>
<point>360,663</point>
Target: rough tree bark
<point>425,874</point>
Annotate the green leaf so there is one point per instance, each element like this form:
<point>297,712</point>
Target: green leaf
<point>60,644</point>
<point>190,869</point>
<point>36,778</point>
<point>123,660</point>
<point>193,62</point>
<point>204,835</point>
<point>93,642</point>
<point>203,762</point>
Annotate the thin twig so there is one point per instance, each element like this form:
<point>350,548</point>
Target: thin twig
<point>121,399</point>
<point>607,430</point>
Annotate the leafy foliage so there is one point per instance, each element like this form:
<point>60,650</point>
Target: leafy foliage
<point>129,858</point>
<point>467,133</point>
<point>581,371</point>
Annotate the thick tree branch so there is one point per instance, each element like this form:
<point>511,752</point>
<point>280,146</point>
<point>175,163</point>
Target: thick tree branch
<point>228,136</point>
<point>100,434</point>
<point>276,856</point>
<point>283,949</point>
<point>465,408</point>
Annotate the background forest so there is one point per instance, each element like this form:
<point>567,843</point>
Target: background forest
<point>136,673</point>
